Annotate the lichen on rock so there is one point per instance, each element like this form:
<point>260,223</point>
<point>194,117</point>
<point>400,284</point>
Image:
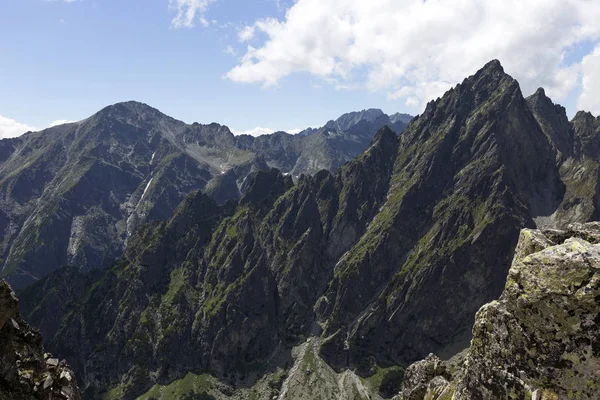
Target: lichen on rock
<point>426,379</point>
<point>541,339</point>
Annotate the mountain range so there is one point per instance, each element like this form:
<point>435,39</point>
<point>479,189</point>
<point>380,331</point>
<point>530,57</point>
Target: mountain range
<point>73,194</point>
<point>327,284</point>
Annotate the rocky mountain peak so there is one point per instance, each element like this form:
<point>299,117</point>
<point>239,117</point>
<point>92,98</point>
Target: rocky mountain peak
<point>406,118</point>
<point>264,187</point>
<point>540,92</point>
<point>584,116</point>
<point>493,66</point>
<point>540,100</point>
<point>489,85</point>
<point>492,77</point>
<point>553,120</point>
<point>128,110</point>
<point>124,122</point>
<point>385,138</point>
<point>212,135</point>
<point>346,121</point>
<point>586,134</point>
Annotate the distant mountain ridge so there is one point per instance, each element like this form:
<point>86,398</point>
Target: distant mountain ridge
<point>72,194</point>
<point>328,147</point>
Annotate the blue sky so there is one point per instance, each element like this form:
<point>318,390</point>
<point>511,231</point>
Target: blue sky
<point>67,60</point>
<point>283,65</point>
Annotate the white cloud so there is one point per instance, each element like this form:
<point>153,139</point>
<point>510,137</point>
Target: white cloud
<point>415,50</point>
<point>590,93</point>
<point>258,131</point>
<point>11,128</point>
<point>189,12</point>
<point>246,33</point>
<point>229,50</point>
<point>60,122</point>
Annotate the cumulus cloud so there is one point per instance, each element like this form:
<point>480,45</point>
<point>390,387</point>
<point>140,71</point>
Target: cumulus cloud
<point>11,128</point>
<point>246,33</point>
<point>189,12</point>
<point>415,50</point>
<point>590,83</point>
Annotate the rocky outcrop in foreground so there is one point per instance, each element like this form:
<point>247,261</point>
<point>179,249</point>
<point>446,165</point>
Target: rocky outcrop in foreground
<point>26,372</point>
<point>541,339</point>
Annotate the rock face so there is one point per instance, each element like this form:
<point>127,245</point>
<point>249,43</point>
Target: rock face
<point>377,265</point>
<point>426,379</point>
<point>26,372</point>
<point>577,149</point>
<point>540,339</point>
<point>73,194</point>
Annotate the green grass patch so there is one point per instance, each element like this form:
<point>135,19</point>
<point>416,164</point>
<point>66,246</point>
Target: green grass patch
<point>386,381</point>
<point>192,386</point>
